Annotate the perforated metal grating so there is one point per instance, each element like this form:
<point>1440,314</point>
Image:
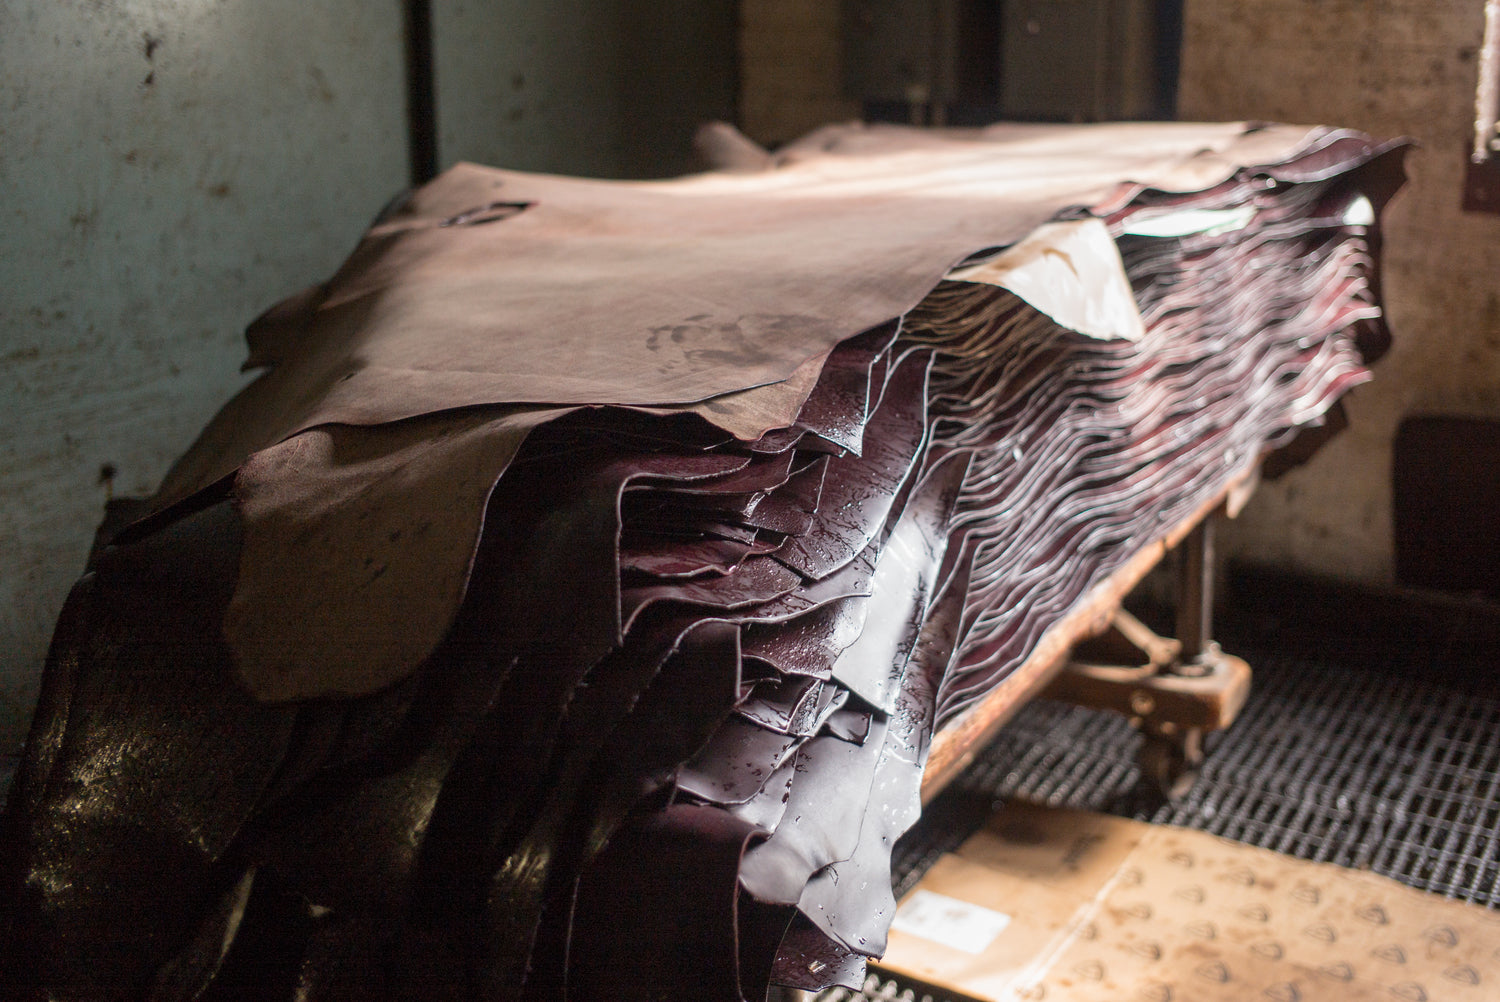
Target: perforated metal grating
<point>879,989</point>
<point>1379,755</point>
<point>1379,764</point>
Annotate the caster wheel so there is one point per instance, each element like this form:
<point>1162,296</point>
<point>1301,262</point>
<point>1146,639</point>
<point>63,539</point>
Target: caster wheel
<point>1170,765</point>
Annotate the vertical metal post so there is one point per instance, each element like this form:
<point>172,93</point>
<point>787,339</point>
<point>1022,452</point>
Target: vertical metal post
<point>1195,593</point>
<point>421,101</point>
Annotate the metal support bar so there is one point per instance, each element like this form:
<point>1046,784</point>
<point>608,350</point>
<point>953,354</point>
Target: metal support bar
<point>421,102</point>
<point>1175,691</point>
<point>1195,594</point>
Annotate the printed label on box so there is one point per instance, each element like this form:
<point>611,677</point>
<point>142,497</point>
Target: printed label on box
<point>949,921</point>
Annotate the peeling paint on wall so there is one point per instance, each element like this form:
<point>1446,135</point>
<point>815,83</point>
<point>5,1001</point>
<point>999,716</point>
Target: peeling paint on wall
<point>167,171</point>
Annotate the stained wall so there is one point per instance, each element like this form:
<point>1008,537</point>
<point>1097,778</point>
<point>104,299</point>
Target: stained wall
<point>168,169</point>
<point>1392,68</point>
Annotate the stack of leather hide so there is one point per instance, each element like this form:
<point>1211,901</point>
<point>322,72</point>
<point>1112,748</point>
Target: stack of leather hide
<point>568,608</point>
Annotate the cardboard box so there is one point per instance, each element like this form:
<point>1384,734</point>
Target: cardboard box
<point>1065,905</point>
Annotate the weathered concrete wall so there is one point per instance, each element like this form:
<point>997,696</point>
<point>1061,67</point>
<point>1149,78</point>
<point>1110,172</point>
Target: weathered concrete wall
<point>605,88</point>
<point>167,170</point>
<point>1390,67</point>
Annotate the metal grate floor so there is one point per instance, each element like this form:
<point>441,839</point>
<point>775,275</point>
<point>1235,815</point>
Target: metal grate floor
<point>1329,763</point>
<point>1375,755</point>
